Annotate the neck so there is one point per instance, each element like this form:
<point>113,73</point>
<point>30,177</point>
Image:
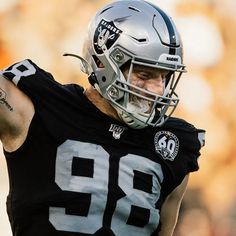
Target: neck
<point>101,103</point>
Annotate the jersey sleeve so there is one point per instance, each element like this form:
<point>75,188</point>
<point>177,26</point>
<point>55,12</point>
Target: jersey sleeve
<point>191,141</point>
<point>53,102</point>
<point>29,78</point>
<point>24,69</point>
<point>182,143</point>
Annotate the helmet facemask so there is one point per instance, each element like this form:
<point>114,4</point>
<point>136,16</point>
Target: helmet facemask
<point>137,106</point>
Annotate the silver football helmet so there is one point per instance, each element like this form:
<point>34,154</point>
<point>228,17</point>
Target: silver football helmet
<point>133,32</point>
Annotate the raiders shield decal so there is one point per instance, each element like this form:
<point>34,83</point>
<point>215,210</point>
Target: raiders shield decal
<point>105,36</point>
<point>166,144</point>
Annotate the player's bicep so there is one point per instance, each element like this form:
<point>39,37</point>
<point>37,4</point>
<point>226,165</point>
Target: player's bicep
<point>170,209</point>
<point>15,106</point>
<point>6,103</point>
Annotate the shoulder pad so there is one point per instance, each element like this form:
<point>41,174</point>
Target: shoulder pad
<point>178,123</point>
<point>183,126</point>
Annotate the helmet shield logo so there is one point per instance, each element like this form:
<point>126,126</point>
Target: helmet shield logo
<point>105,36</point>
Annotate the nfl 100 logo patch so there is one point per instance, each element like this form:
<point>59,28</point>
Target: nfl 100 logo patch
<point>117,130</point>
<point>166,144</point>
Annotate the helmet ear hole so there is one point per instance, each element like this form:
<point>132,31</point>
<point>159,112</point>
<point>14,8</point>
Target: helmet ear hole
<point>98,62</point>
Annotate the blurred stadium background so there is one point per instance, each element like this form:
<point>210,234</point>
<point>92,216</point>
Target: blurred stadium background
<point>44,30</point>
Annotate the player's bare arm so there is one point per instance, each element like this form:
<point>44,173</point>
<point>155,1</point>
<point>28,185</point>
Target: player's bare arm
<point>170,209</point>
<point>16,112</point>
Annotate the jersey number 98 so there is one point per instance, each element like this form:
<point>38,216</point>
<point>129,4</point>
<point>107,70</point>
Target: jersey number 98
<point>97,186</point>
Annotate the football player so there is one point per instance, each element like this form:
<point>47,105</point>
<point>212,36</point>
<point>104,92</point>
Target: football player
<point>109,160</point>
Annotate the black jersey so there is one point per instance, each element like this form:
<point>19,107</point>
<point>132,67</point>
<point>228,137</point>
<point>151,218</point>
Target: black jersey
<point>80,172</point>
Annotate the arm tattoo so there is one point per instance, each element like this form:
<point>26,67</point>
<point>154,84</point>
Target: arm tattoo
<point>4,101</point>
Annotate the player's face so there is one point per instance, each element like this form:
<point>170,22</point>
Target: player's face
<point>148,82</point>
<point>148,78</point>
